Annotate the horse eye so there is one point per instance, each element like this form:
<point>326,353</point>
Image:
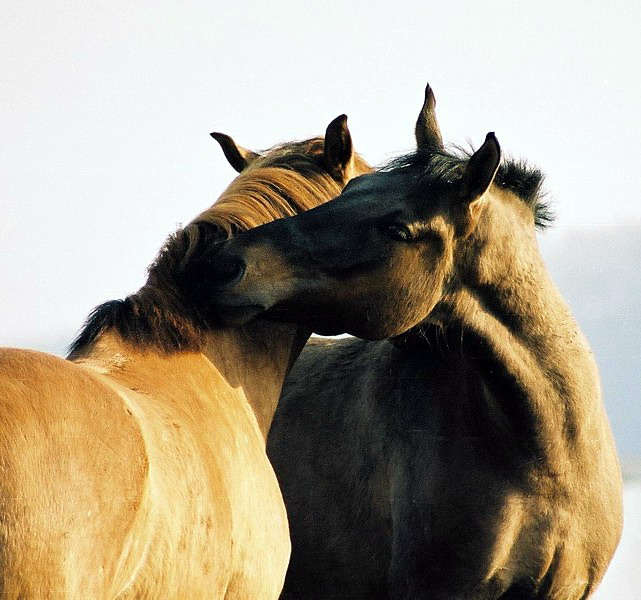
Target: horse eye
<point>399,232</point>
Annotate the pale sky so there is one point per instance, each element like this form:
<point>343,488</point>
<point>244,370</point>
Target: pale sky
<point>106,109</point>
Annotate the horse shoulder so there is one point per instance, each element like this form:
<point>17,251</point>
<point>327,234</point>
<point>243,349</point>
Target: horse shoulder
<point>217,507</point>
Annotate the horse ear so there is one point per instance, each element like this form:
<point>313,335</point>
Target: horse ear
<point>338,154</point>
<point>239,158</point>
<point>478,176</point>
<point>481,169</point>
<point>428,134</point>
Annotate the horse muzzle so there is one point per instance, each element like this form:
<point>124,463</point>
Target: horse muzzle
<point>234,309</point>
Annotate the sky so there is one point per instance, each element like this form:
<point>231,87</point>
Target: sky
<point>106,107</point>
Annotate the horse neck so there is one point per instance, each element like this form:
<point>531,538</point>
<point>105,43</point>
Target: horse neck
<point>252,361</point>
<point>517,333</point>
<point>256,359</point>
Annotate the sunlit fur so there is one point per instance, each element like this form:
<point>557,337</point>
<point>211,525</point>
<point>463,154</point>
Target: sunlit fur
<point>467,457</point>
<point>137,468</point>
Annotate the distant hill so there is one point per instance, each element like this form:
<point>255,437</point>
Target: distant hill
<point>598,271</point>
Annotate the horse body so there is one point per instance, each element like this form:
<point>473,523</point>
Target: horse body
<point>153,483</point>
<point>137,467</point>
<point>418,475</point>
<point>466,456</point>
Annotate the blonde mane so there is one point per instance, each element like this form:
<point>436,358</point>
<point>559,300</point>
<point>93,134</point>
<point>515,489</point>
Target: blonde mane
<point>287,180</point>
<point>284,181</point>
<point>266,194</point>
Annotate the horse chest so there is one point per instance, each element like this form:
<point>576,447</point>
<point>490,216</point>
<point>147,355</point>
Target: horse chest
<point>456,517</point>
<point>486,541</point>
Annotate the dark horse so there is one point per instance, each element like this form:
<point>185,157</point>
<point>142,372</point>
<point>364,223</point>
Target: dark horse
<point>468,455</point>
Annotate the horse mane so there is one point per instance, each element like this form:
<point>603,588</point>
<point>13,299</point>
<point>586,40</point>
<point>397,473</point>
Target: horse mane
<point>286,180</point>
<point>517,176</point>
<point>290,179</point>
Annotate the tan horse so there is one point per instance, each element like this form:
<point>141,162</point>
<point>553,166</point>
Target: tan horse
<point>137,468</point>
<point>469,456</point>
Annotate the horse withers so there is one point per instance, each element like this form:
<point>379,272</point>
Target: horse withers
<point>137,468</point>
<point>466,454</point>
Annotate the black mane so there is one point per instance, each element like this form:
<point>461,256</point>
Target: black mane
<point>160,313</point>
<point>517,176</point>
<point>136,323</point>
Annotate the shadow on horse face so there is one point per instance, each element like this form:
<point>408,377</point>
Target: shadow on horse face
<point>374,262</point>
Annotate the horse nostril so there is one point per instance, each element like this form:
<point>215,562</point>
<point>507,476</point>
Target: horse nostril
<point>228,271</point>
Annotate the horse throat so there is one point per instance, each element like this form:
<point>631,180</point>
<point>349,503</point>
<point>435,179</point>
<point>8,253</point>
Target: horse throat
<point>256,358</point>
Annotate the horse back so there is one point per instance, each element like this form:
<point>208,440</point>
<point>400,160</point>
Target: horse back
<point>73,476</point>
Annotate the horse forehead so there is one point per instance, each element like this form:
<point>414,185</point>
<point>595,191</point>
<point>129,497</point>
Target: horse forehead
<point>376,186</point>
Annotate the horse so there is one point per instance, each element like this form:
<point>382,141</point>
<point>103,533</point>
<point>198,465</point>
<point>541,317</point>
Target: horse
<point>460,448</point>
<point>137,467</point>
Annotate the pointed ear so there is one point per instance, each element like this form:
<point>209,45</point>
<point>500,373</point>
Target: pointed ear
<point>481,169</point>
<point>478,176</point>
<point>239,158</point>
<point>338,155</point>
<point>427,131</point>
